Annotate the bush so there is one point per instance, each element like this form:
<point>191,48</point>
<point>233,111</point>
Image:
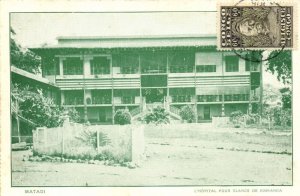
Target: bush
<point>187,113</point>
<point>237,118</point>
<point>281,117</point>
<point>122,117</point>
<point>88,137</point>
<point>158,116</point>
<point>73,114</point>
<point>252,118</point>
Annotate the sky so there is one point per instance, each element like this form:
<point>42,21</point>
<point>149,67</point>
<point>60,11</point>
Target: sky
<point>36,29</point>
<point>33,29</point>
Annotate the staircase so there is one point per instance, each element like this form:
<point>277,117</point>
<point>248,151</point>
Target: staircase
<point>173,111</point>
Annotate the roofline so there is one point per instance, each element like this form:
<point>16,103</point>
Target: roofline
<point>31,76</point>
<point>137,37</point>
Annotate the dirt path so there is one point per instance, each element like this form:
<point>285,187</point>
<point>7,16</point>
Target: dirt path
<point>169,162</point>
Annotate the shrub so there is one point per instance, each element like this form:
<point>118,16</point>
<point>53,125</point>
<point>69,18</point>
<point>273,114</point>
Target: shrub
<point>281,117</point>
<point>90,138</point>
<point>187,113</point>
<point>73,114</point>
<point>237,118</point>
<point>252,118</point>
<point>122,117</point>
<point>158,116</point>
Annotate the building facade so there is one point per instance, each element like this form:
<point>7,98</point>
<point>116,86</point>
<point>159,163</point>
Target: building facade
<point>99,75</point>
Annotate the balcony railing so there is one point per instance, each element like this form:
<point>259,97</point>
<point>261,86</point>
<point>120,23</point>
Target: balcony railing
<point>154,69</point>
<point>227,98</point>
<point>129,70</point>
<point>181,69</point>
<point>181,98</point>
<point>209,98</point>
<point>101,100</point>
<point>100,70</point>
<point>128,100</point>
<point>74,101</point>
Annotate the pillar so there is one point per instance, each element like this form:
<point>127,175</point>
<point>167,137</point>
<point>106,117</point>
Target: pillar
<point>61,66</point>
<point>87,65</point>
<point>112,88</point>
<point>62,98</point>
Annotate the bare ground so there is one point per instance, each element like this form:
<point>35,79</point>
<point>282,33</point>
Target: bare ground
<point>207,157</point>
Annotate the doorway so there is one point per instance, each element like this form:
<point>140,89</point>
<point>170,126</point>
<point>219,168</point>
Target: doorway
<point>154,95</point>
<point>206,113</point>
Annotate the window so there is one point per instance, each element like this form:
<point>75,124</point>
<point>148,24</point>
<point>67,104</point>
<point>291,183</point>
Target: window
<point>50,66</point>
<point>181,62</point>
<point>128,63</point>
<point>73,66</point>
<point>101,97</point>
<point>206,68</point>
<point>100,65</point>
<point>127,95</point>
<point>154,62</point>
<point>231,63</point>
<point>73,97</point>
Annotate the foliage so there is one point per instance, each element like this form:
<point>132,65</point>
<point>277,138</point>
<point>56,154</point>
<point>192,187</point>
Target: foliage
<point>23,58</point>
<point>272,96</point>
<point>281,65</point>
<point>286,97</point>
<point>158,116</point>
<point>280,116</point>
<point>41,110</point>
<point>72,114</point>
<point>237,117</point>
<point>252,118</point>
<point>90,138</point>
<point>122,117</point>
<point>103,139</point>
<point>187,113</point>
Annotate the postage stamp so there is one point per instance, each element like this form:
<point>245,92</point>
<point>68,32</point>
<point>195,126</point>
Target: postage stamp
<point>254,27</point>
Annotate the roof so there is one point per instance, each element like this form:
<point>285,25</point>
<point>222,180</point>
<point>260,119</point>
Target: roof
<point>31,76</point>
<point>133,41</point>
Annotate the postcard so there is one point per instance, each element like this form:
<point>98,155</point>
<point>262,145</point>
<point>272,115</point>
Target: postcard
<point>149,97</point>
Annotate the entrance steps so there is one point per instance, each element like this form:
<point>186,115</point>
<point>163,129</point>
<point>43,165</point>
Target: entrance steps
<point>139,112</point>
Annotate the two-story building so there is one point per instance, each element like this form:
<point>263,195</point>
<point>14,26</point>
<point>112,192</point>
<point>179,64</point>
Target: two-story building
<point>98,75</point>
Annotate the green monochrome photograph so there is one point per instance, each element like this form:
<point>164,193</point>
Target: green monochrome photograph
<point>151,99</point>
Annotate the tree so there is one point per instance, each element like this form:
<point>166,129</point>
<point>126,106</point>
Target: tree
<point>122,117</point>
<point>158,116</point>
<point>286,98</point>
<point>281,65</point>
<point>187,113</point>
<point>23,58</point>
<point>41,110</point>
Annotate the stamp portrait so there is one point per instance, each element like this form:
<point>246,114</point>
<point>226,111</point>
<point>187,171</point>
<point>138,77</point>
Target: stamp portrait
<point>256,27</point>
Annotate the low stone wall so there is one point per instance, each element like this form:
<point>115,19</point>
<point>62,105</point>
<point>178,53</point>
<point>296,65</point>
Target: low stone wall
<point>122,142</point>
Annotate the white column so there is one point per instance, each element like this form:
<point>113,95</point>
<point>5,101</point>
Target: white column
<point>242,65</point>
<point>87,94</point>
<point>87,65</point>
<point>111,65</point>
<point>61,65</point>
<point>62,97</point>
